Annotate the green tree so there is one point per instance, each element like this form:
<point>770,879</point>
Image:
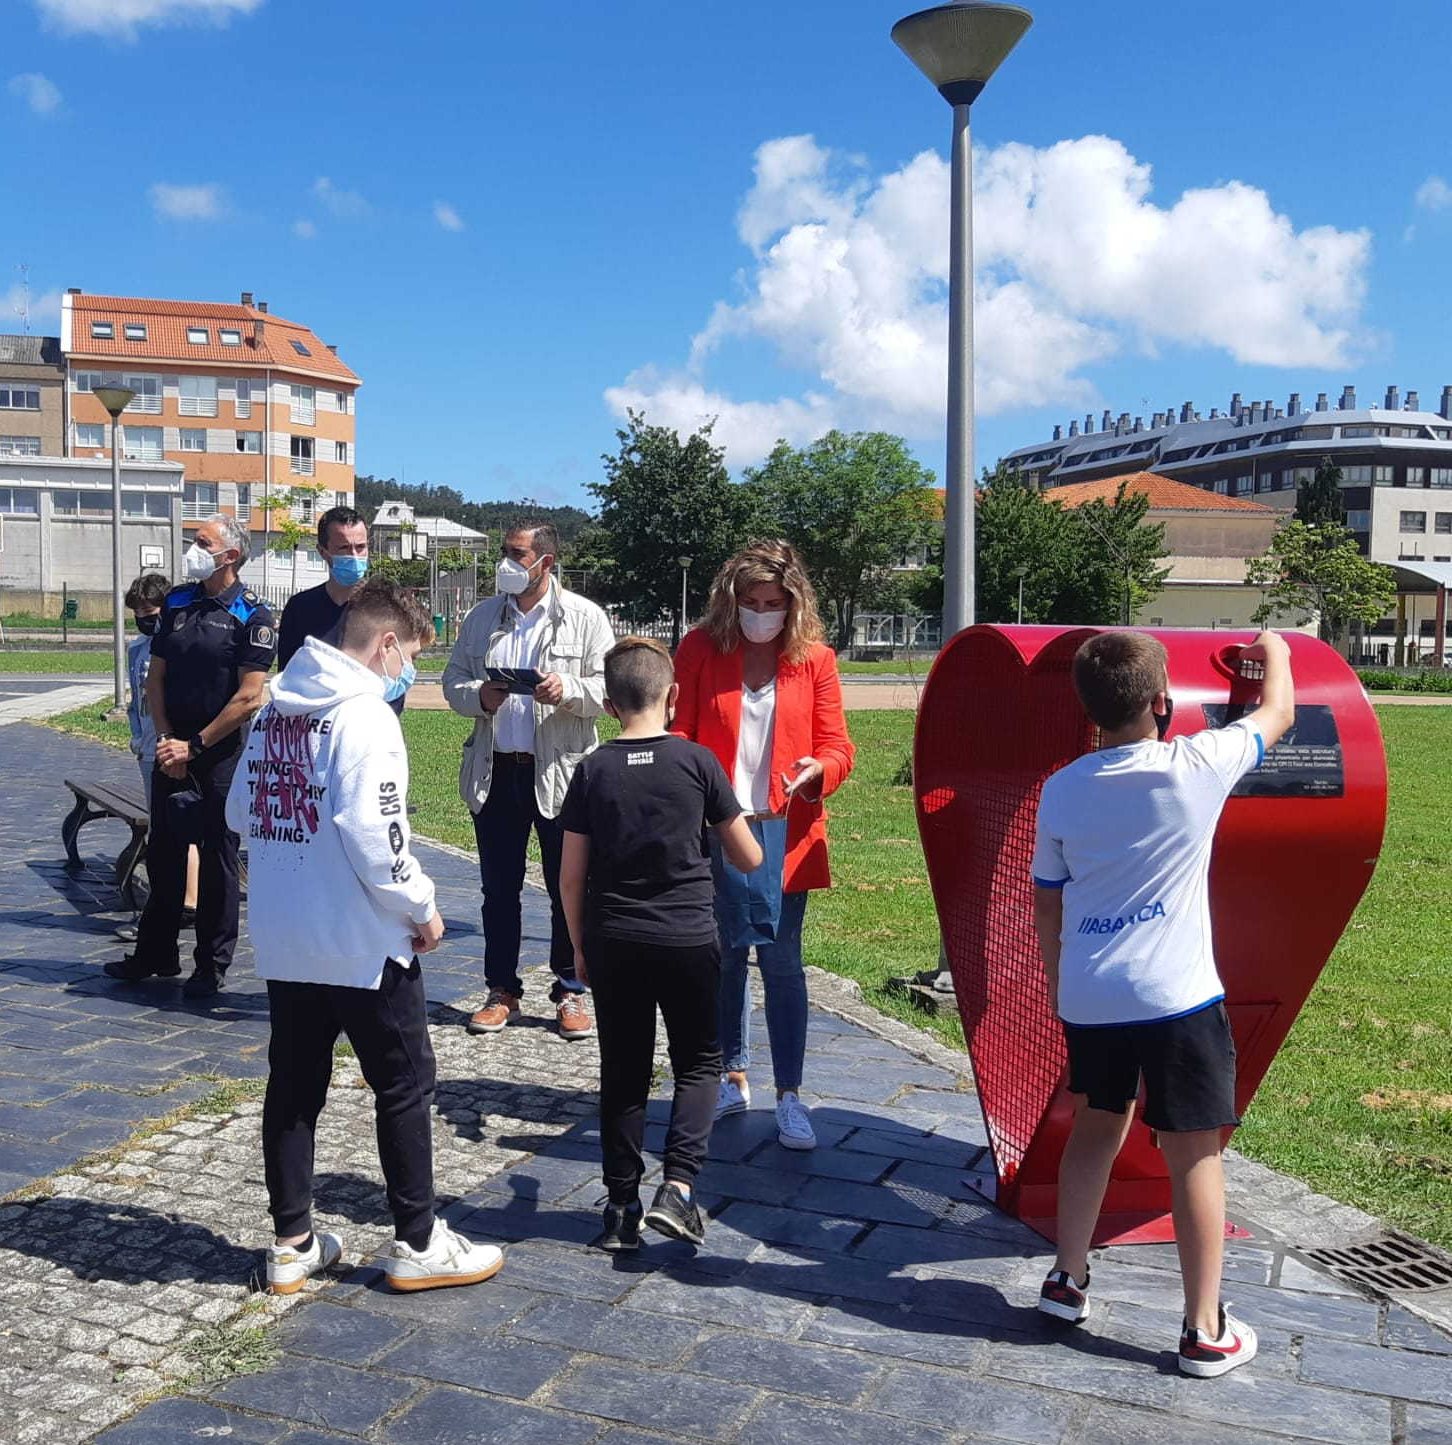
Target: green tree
<point>853,506</point>
<point>1318,502</point>
<point>1018,531</point>
<point>662,499</point>
<point>1317,574</point>
<point>1113,560</point>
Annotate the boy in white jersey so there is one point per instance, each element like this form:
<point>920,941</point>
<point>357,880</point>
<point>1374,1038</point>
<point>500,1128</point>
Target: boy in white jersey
<point>1122,908</point>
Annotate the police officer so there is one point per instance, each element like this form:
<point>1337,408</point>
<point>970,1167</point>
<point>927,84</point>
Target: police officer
<point>209,659</point>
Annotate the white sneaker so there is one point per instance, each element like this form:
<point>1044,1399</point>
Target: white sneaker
<point>794,1124</point>
<point>449,1259</point>
<point>288,1270</point>
<point>732,1098</point>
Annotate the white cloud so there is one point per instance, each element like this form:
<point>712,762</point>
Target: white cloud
<point>1075,264</point>
<point>37,91</point>
<point>447,216</point>
<point>304,230</point>
<point>345,205</point>
<point>123,18</point>
<point>1434,194</point>
<point>188,203</point>
<point>43,308</point>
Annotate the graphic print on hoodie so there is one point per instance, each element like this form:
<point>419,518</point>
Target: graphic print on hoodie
<point>320,798</point>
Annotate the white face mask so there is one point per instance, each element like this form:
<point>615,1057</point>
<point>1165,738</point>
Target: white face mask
<point>760,626</point>
<point>511,577</point>
<point>197,563</point>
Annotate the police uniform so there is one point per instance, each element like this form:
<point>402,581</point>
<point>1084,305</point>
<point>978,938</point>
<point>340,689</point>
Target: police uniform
<point>206,643</point>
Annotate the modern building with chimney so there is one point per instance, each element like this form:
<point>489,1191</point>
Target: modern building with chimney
<point>255,408</point>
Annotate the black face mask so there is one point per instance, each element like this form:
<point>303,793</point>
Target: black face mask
<point>147,626</point>
<point>1162,719</point>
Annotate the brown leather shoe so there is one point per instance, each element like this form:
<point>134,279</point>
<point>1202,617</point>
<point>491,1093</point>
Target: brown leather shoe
<point>499,1008</point>
<point>574,1018</point>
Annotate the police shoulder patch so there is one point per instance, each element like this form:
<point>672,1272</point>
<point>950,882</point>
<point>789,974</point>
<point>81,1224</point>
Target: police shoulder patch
<point>263,636</point>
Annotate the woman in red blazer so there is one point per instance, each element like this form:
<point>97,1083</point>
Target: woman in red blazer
<point>759,688</point>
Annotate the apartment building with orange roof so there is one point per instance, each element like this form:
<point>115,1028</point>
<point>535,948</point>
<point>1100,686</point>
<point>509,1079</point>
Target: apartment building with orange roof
<point>257,409</point>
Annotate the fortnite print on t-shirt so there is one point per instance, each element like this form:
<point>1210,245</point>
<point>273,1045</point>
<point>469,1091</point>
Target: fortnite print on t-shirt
<point>1306,763</point>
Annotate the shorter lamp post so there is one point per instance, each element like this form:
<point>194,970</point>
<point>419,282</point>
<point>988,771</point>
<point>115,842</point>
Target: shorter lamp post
<point>1021,571</point>
<point>116,399</point>
<point>684,563</point>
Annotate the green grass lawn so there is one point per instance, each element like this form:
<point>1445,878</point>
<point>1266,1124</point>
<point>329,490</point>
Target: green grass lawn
<point>1359,1103</point>
<point>901,667</point>
<point>91,660</point>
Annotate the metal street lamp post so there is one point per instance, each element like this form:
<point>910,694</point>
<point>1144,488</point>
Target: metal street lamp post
<point>116,399</point>
<point>1022,572</point>
<point>958,47</point>
<point>684,563</point>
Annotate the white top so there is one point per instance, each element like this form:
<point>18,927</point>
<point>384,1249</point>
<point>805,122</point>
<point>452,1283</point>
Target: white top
<point>521,646</point>
<point>751,780</point>
<point>320,797</point>
<point>1126,833</point>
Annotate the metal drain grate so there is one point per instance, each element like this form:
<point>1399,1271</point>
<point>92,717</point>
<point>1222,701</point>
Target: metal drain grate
<point>1391,1263</point>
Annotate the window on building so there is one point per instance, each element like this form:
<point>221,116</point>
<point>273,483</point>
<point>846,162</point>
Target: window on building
<point>90,380</point>
<point>229,337</point>
<point>19,502</point>
<point>81,504</point>
<point>301,350</point>
<point>1358,521</point>
<point>1242,486</point>
<point>1416,476</point>
<point>199,501</point>
<point>193,439</point>
<point>19,396</point>
<point>155,505</point>
<point>197,396</point>
<point>1353,475</point>
<point>1413,522</point>
<point>342,499</point>
<point>1358,431</point>
<point>1441,476</point>
<point>199,335</point>
<point>90,435</point>
<point>243,400</point>
<point>343,402</point>
<point>244,498</point>
<point>249,442</point>
<point>148,393</point>
<point>304,405</point>
<point>1222,485</point>
<point>1264,481</point>
<point>302,455</point>
<point>135,331</point>
<point>19,446</point>
<point>102,331</point>
<point>1382,476</point>
<point>142,444</point>
<point>1444,521</point>
<point>340,451</point>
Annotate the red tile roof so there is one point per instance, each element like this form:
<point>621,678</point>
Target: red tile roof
<point>266,339</point>
<point>1164,493</point>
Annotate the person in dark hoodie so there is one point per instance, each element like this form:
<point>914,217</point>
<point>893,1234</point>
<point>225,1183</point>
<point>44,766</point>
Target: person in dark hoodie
<point>339,909</point>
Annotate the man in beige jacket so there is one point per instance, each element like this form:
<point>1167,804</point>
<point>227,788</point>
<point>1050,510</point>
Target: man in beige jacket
<point>523,751</point>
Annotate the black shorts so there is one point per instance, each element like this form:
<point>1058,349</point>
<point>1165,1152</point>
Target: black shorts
<point>1188,1065</point>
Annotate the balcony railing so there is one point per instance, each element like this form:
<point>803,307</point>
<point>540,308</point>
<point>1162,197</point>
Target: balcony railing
<point>302,466</point>
<point>199,511</point>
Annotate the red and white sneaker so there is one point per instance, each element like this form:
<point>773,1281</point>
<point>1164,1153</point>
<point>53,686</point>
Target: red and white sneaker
<point>1064,1299</point>
<point>1205,1358</point>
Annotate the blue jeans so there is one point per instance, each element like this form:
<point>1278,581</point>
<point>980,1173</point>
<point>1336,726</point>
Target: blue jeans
<point>786,999</point>
<point>501,829</point>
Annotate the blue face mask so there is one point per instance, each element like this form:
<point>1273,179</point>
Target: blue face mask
<point>395,687</point>
<point>348,571</point>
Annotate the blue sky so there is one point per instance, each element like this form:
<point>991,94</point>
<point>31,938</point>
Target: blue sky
<point>517,220</point>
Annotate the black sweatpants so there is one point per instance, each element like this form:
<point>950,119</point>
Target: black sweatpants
<point>388,1028</point>
<point>629,980</point>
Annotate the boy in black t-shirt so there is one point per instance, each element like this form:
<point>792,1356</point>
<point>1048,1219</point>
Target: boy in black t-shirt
<point>635,880</point>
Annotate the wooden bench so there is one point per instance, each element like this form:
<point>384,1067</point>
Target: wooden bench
<point>101,800</point>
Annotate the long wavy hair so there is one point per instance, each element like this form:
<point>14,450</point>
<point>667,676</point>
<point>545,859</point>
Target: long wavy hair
<point>767,560</point>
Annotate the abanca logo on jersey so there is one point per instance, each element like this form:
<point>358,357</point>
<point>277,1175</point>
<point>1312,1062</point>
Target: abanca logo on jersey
<point>1113,925</point>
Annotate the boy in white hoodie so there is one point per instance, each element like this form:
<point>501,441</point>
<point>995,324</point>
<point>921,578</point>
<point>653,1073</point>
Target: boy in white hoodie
<point>338,909</point>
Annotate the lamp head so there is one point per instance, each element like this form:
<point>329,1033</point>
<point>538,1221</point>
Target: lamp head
<point>683,563</point>
<point>959,46</point>
<point>114,398</point>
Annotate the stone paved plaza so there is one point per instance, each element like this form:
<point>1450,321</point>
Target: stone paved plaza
<point>861,1293</point>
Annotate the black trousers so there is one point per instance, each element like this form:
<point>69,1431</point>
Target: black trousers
<point>388,1028</point>
<point>219,890</point>
<point>629,980</point>
<point>501,830</point>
